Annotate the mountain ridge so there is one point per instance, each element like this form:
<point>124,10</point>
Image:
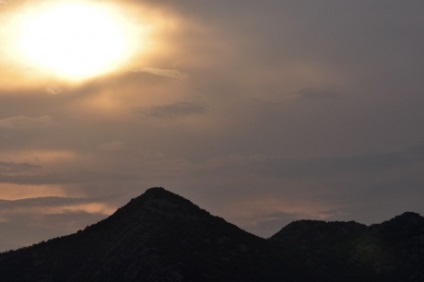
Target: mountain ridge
<point>161,236</point>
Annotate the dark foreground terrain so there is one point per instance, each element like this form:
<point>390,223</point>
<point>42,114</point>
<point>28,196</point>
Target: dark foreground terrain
<point>160,236</point>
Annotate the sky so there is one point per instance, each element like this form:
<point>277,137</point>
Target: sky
<point>261,112</point>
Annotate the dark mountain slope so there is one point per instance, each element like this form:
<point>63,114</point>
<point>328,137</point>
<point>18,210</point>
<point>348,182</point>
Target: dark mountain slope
<point>349,251</point>
<point>161,236</point>
<point>158,236</point>
<point>403,237</point>
<point>339,251</point>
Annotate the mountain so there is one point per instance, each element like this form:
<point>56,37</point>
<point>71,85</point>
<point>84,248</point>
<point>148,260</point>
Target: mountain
<point>349,251</point>
<point>160,236</point>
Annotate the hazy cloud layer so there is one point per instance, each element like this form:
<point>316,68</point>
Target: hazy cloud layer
<point>7,167</point>
<point>169,73</point>
<point>34,218</point>
<point>26,122</point>
<point>175,110</point>
<point>261,112</point>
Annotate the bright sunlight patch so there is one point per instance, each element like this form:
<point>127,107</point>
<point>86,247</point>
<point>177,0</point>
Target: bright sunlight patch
<point>73,40</point>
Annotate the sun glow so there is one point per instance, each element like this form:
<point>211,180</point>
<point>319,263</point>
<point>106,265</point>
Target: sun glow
<point>75,40</point>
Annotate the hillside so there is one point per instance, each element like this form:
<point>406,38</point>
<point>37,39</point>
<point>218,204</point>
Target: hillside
<point>349,251</point>
<point>160,236</point>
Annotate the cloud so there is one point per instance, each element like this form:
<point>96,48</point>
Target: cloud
<point>179,109</point>
<point>16,191</point>
<point>46,158</point>
<point>52,205</point>
<point>53,90</point>
<point>168,73</point>
<point>302,101</point>
<point>112,146</point>
<point>69,177</point>
<point>42,218</point>
<point>24,122</point>
<point>9,167</point>
<point>320,167</point>
<point>317,94</point>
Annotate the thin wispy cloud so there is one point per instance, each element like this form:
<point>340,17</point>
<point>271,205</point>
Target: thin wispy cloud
<point>24,122</point>
<point>179,109</point>
<point>167,73</point>
<point>10,167</point>
<point>112,146</point>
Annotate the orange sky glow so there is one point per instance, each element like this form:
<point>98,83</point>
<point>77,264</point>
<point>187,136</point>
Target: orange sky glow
<point>261,113</point>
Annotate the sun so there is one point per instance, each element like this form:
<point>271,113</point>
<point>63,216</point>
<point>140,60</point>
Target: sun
<point>74,40</point>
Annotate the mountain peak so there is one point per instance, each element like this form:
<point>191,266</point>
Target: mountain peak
<point>405,224</point>
<point>406,219</point>
<point>158,191</point>
<point>322,230</point>
<point>409,216</point>
<point>158,236</point>
<point>158,201</point>
<point>161,236</point>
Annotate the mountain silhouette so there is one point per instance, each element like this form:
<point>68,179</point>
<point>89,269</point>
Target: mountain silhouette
<point>160,236</point>
<point>349,251</point>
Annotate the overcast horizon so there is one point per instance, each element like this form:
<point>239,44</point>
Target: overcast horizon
<point>261,112</point>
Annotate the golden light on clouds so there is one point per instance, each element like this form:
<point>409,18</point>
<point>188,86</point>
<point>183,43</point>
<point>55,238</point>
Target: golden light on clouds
<point>42,157</point>
<point>93,208</point>
<point>9,191</point>
<point>73,40</point>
